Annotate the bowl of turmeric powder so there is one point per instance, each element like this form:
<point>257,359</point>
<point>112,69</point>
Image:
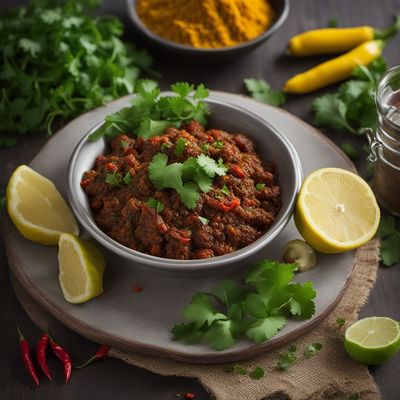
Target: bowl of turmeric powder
<point>211,30</point>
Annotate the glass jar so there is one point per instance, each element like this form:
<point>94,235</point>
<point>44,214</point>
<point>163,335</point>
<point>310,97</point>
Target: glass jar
<point>385,145</point>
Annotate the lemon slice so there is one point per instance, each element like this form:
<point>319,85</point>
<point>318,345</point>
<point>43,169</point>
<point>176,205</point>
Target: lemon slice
<point>81,269</point>
<point>37,208</point>
<point>373,340</point>
<point>336,211</point>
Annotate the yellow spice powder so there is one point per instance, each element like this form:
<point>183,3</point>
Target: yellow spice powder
<point>206,23</point>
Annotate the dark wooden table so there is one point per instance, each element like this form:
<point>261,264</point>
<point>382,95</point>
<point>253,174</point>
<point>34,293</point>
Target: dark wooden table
<point>113,379</point>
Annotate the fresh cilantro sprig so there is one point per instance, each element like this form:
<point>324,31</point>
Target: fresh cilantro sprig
<point>390,241</point>
<point>287,359</point>
<point>258,309</point>
<point>150,113</point>
<point>352,107</point>
<point>261,90</point>
<point>187,178</point>
<point>56,62</point>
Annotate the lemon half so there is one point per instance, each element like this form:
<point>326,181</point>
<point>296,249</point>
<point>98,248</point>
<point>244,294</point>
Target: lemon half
<point>37,208</point>
<point>336,211</point>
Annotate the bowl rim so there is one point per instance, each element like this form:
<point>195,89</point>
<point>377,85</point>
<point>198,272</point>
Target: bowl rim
<point>271,29</point>
<point>168,264</point>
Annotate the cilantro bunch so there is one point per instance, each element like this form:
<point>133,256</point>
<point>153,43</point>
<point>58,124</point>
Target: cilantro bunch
<point>57,62</point>
<point>150,114</point>
<point>187,178</point>
<point>258,309</point>
<point>352,107</point>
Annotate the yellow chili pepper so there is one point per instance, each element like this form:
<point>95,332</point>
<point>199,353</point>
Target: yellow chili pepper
<point>337,40</point>
<point>335,70</point>
<point>329,40</point>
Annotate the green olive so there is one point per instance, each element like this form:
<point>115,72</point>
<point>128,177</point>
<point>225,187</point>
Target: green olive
<point>299,252</point>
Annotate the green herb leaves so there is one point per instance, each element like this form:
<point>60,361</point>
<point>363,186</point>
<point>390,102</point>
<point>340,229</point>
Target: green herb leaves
<point>390,241</point>
<point>352,107</point>
<point>57,62</point>
<point>257,310</point>
<point>157,205</point>
<point>186,178</point>
<point>150,114</point>
<point>261,90</point>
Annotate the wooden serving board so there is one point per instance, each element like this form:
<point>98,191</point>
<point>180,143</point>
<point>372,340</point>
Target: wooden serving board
<point>141,322</point>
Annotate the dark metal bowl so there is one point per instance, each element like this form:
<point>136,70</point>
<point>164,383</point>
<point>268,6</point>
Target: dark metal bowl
<point>281,8</point>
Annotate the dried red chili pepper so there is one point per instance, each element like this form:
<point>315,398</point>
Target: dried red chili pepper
<point>237,171</point>
<point>26,357</point>
<point>64,357</point>
<point>100,353</point>
<point>190,396</point>
<point>41,349</point>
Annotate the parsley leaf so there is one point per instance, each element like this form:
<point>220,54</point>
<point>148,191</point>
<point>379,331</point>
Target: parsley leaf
<point>312,349</point>
<point>390,241</point>
<point>157,205</point>
<point>150,113</point>
<point>261,90</point>
<point>257,309</point>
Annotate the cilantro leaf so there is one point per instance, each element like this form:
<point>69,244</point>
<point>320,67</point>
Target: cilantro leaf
<point>201,311</point>
<point>261,90</point>
<point>287,359</point>
<point>210,166</point>
<point>340,321</point>
<point>127,179</point>
<point>302,304</point>
<point>220,335</point>
<point>228,292</point>
<point>390,241</point>
<point>257,373</point>
<point>151,113</point>
<point>157,205</point>
<point>260,186</point>
<point>180,146</point>
<point>189,333</point>
<point>312,349</point>
<point>265,328</point>
<point>390,249</point>
<point>113,179</point>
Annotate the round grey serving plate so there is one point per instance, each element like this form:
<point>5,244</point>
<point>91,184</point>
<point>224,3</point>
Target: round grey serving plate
<point>272,146</point>
<point>141,322</point>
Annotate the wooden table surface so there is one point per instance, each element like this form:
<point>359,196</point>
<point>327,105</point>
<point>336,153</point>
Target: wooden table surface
<point>113,379</point>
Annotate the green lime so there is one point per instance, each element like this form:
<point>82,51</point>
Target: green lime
<point>373,340</point>
<point>81,269</point>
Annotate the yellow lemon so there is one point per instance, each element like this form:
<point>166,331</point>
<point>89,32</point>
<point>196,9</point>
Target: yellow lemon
<point>37,208</point>
<point>336,211</point>
<point>81,269</point>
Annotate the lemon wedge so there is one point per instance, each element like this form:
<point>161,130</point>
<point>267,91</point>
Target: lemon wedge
<point>81,269</point>
<point>37,208</point>
<point>336,211</point>
<point>373,340</point>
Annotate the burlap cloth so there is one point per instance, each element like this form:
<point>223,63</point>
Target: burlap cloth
<point>330,374</point>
